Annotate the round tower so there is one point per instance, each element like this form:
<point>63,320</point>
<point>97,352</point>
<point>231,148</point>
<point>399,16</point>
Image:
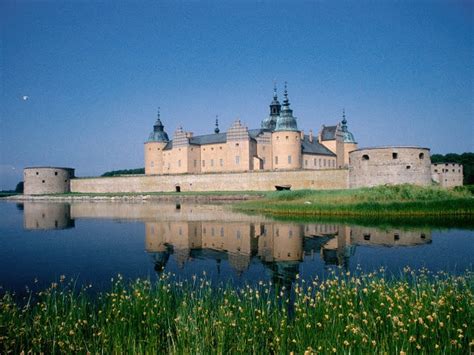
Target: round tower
<point>286,139</point>
<point>154,146</point>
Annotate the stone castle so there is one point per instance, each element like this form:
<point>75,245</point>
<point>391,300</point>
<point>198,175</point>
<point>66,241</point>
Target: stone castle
<point>277,145</point>
<point>276,154</point>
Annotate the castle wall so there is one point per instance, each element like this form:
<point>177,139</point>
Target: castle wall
<point>447,174</point>
<point>389,165</point>
<point>154,158</point>
<point>47,180</point>
<point>314,161</point>
<point>257,181</point>
<point>286,150</point>
<point>264,150</point>
<point>215,158</point>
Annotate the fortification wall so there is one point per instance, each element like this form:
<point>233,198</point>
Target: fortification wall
<point>256,181</point>
<point>47,180</point>
<point>447,174</point>
<point>389,165</point>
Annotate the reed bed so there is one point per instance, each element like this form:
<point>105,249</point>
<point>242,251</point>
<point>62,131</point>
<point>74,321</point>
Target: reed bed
<point>344,313</point>
<point>398,201</point>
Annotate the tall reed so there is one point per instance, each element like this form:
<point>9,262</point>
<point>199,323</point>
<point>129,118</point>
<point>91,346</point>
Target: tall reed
<point>363,313</point>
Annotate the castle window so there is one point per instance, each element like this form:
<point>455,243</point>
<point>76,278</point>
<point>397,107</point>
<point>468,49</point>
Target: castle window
<point>179,163</point>
<point>454,171</point>
<point>237,159</point>
<point>152,164</point>
<point>287,137</point>
<point>320,162</point>
<point>366,236</point>
<point>365,157</point>
<point>421,155</point>
<point>306,162</point>
<point>276,160</point>
<point>195,163</point>
<point>396,237</point>
<point>212,162</point>
<point>289,159</point>
<point>37,173</point>
<point>204,149</point>
<point>394,155</point>
<point>324,162</point>
<point>263,148</point>
<point>422,236</point>
<point>221,162</point>
<point>192,149</point>
<point>203,163</point>
<point>56,173</point>
<point>436,170</point>
<point>212,148</point>
<point>44,181</point>
<point>160,149</point>
<point>220,148</point>
<point>148,149</point>
<point>408,167</point>
<point>314,162</point>
<point>236,144</point>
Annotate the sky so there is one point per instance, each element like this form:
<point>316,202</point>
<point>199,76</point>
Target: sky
<point>81,81</point>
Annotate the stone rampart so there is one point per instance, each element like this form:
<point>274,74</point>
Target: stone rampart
<point>47,180</point>
<point>248,181</point>
<point>389,165</point>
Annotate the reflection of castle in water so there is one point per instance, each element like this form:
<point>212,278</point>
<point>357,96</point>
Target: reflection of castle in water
<point>44,216</point>
<point>277,245</point>
<point>213,232</point>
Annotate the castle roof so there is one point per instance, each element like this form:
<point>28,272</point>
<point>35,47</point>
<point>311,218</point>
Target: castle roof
<point>314,147</point>
<point>328,133</point>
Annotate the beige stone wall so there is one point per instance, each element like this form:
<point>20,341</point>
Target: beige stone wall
<point>348,147</point>
<point>286,150</point>
<point>154,158</point>
<point>393,237</point>
<point>447,174</point>
<point>257,180</point>
<point>331,145</point>
<point>389,165</point>
<point>47,180</point>
<point>264,150</point>
<point>214,158</point>
<point>314,161</point>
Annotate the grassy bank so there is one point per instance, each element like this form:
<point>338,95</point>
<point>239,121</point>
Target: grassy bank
<point>391,201</point>
<point>343,314</point>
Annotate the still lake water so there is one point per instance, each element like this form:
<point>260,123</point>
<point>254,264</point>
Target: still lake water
<point>94,241</point>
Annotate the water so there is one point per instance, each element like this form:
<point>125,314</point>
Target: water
<point>92,242</point>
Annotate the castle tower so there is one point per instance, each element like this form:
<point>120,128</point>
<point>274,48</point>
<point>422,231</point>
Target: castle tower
<point>275,108</point>
<point>157,141</point>
<point>345,142</point>
<point>286,139</point>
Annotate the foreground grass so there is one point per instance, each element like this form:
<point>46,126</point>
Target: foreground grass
<point>400,200</point>
<point>342,314</point>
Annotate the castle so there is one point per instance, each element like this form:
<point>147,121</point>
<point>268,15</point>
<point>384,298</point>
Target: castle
<point>274,155</point>
<point>277,145</point>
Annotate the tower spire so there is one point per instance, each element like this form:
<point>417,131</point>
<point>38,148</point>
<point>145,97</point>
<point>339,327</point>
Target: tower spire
<point>344,121</point>
<point>286,102</point>
<point>275,97</point>
<point>217,130</point>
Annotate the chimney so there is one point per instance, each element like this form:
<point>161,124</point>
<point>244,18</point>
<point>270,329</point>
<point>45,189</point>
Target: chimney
<point>311,136</point>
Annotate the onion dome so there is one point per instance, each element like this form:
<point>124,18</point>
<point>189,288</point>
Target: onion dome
<point>286,121</point>
<point>158,134</point>
<point>347,136</point>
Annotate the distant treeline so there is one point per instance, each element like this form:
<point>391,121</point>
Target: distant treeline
<point>124,172</point>
<point>466,159</point>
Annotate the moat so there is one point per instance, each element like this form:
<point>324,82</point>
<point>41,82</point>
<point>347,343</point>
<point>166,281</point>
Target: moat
<point>92,242</point>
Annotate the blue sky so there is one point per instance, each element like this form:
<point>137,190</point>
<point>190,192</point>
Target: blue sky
<point>95,73</point>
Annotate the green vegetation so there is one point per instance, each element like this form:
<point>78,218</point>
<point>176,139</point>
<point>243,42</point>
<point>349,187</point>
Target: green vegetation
<point>365,313</point>
<point>405,201</point>
<point>466,159</point>
<point>125,172</point>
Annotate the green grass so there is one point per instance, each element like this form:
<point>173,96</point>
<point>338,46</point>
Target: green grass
<point>391,201</point>
<point>364,313</point>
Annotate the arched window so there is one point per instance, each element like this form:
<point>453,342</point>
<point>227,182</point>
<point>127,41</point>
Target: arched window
<point>365,157</point>
<point>421,155</point>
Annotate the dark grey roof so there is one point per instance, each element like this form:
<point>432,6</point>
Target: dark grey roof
<point>168,145</point>
<point>215,138</point>
<point>315,147</point>
<point>328,133</point>
<point>254,133</point>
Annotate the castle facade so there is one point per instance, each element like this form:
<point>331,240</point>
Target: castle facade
<point>277,145</point>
